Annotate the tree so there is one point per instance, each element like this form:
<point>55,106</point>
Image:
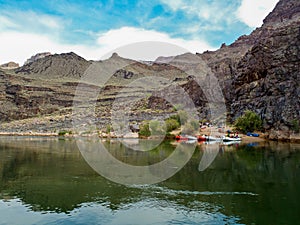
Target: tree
<point>250,121</point>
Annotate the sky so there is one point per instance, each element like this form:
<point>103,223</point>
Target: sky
<point>95,28</point>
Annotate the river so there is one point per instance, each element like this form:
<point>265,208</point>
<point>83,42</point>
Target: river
<point>50,181</point>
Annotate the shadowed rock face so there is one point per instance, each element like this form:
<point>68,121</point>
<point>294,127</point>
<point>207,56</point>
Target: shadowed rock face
<point>259,72</point>
<point>267,78</point>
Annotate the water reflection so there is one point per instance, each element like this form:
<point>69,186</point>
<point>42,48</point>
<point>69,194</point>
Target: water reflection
<point>47,181</point>
<point>102,161</point>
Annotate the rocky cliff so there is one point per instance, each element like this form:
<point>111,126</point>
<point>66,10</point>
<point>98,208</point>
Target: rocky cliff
<point>259,71</point>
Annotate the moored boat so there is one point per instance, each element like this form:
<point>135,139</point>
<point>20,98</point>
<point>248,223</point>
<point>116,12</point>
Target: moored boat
<point>202,138</point>
<point>185,137</point>
<point>212,138</point>
<point>208,138</point>
<point>252,134</point>
<point>225,139</point>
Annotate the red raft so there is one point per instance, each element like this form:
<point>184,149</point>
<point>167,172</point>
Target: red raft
<point>185,138</point>
<point>201,138</point>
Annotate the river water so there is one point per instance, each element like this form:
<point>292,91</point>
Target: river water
<point>48,181</point>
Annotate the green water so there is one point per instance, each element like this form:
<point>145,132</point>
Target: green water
<point>47,181</point>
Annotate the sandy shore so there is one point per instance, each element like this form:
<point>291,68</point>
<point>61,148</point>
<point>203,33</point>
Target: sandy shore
<point>28,134</point>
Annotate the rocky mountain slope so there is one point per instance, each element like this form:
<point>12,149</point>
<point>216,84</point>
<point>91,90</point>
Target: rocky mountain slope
<point>68,65</point>
<point>46,87</point>
<point>259,71</point>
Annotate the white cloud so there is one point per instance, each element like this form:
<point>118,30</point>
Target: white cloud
<point>29,21</point>
<point>252,12</point>
<point>208,11</point>
<point>215,13</point>
<point>174,4</point>
<point>6,23</point>
<point>162,43</point>
<point>18,46</point>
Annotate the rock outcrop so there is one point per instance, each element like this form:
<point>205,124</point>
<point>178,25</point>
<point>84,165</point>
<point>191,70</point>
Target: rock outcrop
<point>9,66</point>
<point>54,66</point>
<point>37,57</point>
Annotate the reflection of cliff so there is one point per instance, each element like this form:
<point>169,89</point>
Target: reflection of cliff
<point>59,180</point>
<point>51,175</point>
<point>263,180</point>
<point>53,180</point>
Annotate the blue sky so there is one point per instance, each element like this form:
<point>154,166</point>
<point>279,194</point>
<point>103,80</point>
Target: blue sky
<point>92,28</point>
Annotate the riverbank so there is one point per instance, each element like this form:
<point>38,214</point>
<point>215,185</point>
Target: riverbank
<point>245,138</point>
<point>61,125</point>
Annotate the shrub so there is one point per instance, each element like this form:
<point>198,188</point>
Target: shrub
<point>178,107</point>
<point>64,132</point>
<point>172,124</point>
<point>250,121</point>
<point>157,128</point>
<point>183,117</point>
<point>295,125</point>
<point>188,128</point>
<point>145,130</point>
<point>194,124</point>
<point>108,128</point>
<point>175,117</point>
<point>191,127</point>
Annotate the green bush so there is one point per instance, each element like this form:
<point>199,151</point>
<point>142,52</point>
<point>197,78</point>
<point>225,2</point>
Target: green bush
<point>194,124</point>
<point>64,132</point>
<point>295,125</point>
<point>178,107</point>
<point>249,122</point>
<point>157,128</point>
<point>175,117</point>
<point>189,129</point>
<point>183,117</point>
<point>172,124</point>
<point>145,130</point>
<point>108,128</point>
